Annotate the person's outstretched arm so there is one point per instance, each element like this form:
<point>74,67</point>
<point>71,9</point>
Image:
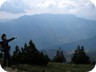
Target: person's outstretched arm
<point>11,39</point>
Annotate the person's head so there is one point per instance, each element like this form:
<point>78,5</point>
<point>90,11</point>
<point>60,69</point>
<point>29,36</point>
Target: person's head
<point>3,37</point>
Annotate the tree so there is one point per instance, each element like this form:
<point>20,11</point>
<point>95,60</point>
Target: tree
<point>16,56</point>
<point>30,55</point>
<point>59,56</point>
<point>79,56</point>
<point>37,58</point>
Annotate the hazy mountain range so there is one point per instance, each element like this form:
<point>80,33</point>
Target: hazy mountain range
<point>51,31</point>
<point>68,48</point>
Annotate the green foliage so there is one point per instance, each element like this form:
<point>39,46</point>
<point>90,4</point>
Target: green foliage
<point>29,55</point>
<point>16,55</point>
<point>56,67</point>
<point>59,56</point>
<point>79,56</point>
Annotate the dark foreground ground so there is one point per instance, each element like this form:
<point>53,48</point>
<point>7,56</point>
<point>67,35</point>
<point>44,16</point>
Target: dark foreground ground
<point>52,67</point>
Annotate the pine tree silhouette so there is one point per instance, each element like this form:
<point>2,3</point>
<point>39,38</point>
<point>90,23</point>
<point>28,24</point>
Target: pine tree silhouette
<point>79,56</point>
<point>29,55</point>
<point>59,56</point>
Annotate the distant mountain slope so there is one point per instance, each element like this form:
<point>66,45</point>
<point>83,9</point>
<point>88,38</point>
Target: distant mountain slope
<point>47,30</point>
<point>89,45</point>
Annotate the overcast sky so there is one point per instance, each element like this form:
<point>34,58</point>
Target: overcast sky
<point>16,8</point>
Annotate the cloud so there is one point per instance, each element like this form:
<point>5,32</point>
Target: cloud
<point>20,6</point>
<point>94,2</point>
<point>1,2</point>
<point>63,6</point>
<point>14,6</point>
<point>7,15</point>
<point>87,10</point>
<point>46,4</point>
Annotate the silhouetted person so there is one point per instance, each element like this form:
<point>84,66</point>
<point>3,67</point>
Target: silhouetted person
<point>5,50</point>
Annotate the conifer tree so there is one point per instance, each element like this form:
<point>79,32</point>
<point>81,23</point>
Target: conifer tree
<point>16,55</point>
<point>59,56</point>
<point>79,56</point>
<point>29,55</point>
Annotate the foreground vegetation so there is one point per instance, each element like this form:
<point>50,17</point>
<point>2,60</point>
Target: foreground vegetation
<point>56,67</point>
<point>30,59</point>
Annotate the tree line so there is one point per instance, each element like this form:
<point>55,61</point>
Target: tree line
<point>29,54</point>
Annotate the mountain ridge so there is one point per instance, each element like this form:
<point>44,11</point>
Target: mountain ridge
<point>48,29</point>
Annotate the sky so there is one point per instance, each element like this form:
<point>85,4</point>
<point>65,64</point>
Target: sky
<point>11,9</point>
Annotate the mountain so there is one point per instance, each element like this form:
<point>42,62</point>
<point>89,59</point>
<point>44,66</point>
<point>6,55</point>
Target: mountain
<point>68,48</point>
<point>89,44</point>
<point>48,30</point>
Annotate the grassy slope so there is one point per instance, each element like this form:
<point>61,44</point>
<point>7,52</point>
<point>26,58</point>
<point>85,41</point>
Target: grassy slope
<point>56,67</point>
